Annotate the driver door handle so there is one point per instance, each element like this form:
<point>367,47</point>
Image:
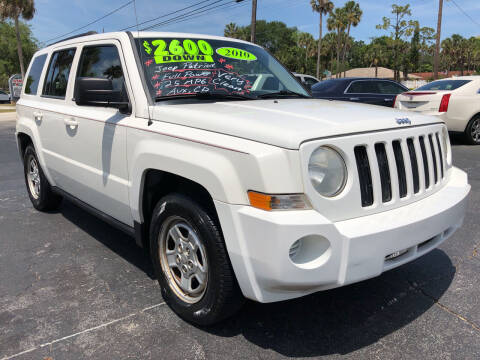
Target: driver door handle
<point>70,122</point>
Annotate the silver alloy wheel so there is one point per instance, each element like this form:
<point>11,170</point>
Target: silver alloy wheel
<point>475,130</point>
<point>33,177</point>
<point>183,259</point>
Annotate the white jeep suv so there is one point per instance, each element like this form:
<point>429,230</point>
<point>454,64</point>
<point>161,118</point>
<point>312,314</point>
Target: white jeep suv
<point>238,188</point>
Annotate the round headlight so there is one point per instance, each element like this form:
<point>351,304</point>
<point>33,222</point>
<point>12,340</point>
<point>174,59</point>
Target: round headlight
<point>327,170</point>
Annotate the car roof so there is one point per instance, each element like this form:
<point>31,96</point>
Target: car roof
<point>362,78</point>
<point>139,34</point>
<point>469,77</point>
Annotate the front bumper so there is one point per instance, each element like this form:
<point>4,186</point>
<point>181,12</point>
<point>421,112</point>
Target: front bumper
<point>348,251</point>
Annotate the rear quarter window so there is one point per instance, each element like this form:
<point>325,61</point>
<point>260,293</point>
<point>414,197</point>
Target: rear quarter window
<point>444,85</point>
<point>33,77</point>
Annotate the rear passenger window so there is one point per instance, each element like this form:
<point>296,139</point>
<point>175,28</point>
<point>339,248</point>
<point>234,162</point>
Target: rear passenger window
<point>56,80</point>
<point>34,74</point>
<point>102,62</point>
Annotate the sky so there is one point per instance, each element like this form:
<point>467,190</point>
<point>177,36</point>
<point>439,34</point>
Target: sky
<point>55,18</point>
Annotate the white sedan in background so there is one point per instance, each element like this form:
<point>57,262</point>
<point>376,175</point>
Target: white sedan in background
<point>4,97</point>
<point>455,100</point>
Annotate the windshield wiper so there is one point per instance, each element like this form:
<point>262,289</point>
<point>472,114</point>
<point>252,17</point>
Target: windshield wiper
<point>208,95</point>
<point>282,93</point>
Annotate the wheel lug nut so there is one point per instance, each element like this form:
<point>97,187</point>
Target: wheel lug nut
<point>178,259</point>
<point>190,264</point>
<point>184,268</point>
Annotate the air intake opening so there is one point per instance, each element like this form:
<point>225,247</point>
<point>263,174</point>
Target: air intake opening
<point>384,170</point>
<point>402,177</point>
<point>364,175</point>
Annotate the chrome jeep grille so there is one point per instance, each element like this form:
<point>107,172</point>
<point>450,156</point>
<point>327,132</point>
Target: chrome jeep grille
<point>404,166</point>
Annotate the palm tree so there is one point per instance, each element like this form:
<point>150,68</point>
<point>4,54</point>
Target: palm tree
<point>14,9</point>
<point>376,55</point>
<point>231,30</point>
<point>306,42</point>
<point>338,22</point>
<point>353,15</point>
<point>323,7</point>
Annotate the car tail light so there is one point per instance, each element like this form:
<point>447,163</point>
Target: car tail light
<point>394,101</point>
<point>444,103</point>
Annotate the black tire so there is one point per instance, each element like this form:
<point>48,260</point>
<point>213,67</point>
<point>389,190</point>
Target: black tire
<point>472,131</point>
<point>222,296</point>
<point>45,199</point>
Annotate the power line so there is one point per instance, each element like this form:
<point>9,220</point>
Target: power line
<point>465,13</point>
<point>192,12</point>
<point>158,17</point>
<point>91,23</point>
<point>231,6</point>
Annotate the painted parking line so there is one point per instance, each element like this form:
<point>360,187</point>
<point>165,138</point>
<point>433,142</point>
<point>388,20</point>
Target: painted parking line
<point>101,326</point>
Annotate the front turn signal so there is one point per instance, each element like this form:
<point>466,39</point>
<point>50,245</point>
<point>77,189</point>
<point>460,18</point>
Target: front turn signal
<point>269,202</point>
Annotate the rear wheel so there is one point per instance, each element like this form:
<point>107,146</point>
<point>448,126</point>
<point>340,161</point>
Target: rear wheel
<point>39,190</point>
<point>191,262</point>
<point>472,132</point>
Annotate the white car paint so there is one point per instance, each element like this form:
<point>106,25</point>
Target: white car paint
<point>464,103</point>
<point>230,148</point>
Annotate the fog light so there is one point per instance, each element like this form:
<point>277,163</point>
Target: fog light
<point>310,251</point>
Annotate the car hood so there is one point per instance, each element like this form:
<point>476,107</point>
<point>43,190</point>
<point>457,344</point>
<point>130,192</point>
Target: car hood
<point>284,122</point>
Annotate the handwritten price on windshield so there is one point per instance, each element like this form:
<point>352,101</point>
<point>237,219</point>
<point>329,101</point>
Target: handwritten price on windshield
<point>175,48</point>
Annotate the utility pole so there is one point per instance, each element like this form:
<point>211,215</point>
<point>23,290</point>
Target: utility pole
<point>437,45</point>
<point>253,25</point>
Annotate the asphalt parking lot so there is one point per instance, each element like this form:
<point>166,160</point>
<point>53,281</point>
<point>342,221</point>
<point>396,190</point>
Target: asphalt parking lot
<point>72,287</point>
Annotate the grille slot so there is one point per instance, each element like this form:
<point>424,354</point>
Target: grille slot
<point>434,158</point>
<point>364,175</point>
<point>384,171</point>
<point>413,160</point>
<point>402,177</point>
<point>440,154</point>
<point>425,162</point>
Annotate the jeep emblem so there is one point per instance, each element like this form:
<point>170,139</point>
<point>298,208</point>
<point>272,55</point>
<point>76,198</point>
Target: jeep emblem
<point>403,121</point>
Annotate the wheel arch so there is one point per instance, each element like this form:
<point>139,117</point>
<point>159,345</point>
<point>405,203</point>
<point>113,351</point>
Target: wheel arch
<point>156,184</point>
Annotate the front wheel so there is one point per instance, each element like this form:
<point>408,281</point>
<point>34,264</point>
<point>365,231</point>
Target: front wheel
<point>472,132</point>
<point>191,262</point>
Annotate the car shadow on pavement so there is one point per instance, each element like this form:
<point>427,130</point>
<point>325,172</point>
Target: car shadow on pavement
<point>114,239</point>
<point>338,321</point>
<point>344,320</point>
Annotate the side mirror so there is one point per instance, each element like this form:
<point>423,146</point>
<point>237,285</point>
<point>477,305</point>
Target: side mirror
<point>99,92</point>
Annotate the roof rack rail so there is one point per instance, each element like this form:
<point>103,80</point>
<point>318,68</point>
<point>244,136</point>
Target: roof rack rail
<point>74,37</point>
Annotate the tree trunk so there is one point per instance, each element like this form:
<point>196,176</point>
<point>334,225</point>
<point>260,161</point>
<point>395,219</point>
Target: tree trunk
<point>338,55</point>
<point>19,47</point>
<point>345,45</point>
<point>437,44</point>
<point>376,71</point>
<point>319,47</point>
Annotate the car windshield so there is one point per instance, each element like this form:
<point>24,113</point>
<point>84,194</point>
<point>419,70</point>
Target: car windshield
<point>183,67</point>
<point>325,85</point>
<point>443,85</point>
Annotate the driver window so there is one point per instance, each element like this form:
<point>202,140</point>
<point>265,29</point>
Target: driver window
<point>102,62</point>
